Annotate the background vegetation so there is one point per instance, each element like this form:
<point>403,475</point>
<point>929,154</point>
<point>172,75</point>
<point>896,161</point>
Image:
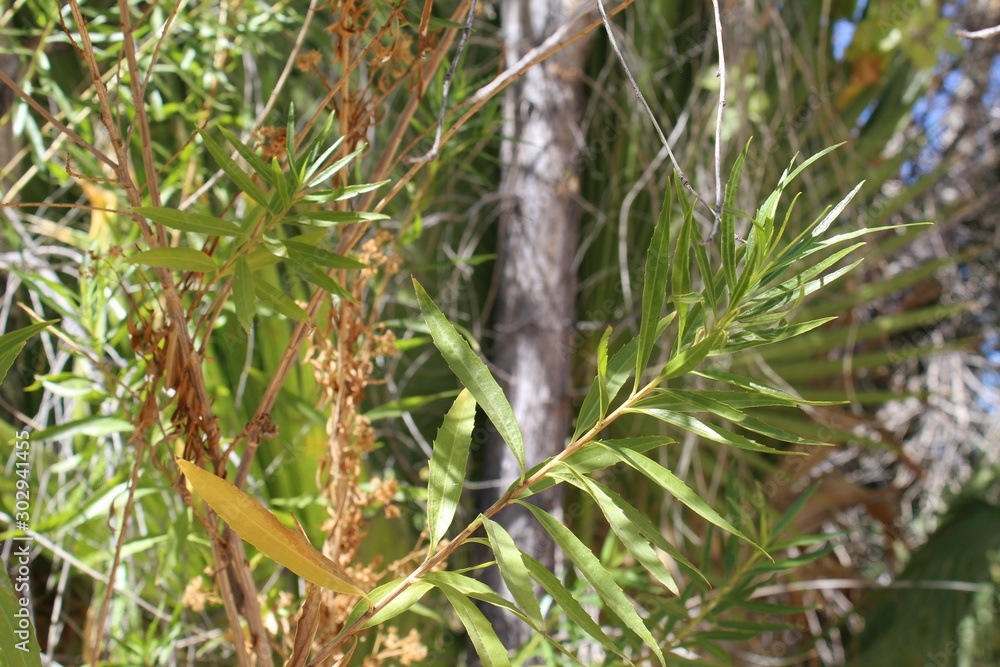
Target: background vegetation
<point>903,512</point>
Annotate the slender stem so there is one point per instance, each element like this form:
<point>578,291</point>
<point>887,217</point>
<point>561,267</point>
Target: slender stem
<point>62,127</point>
<point>433,152</point>
<point>642,98</point>
<point>985,33</point>
<point>718,121</point>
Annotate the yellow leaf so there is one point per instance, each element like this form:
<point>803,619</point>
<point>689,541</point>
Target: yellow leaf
<point>258,526</point>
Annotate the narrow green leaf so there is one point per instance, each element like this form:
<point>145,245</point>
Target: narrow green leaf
<point>647,529</point>
<point>278,299</point>
<point>189,222</point>
<point>689,358</point>
<point>755,386</point>
<point>12,342</point>
<point>394,409</point>
<point>410,596</point>
<point>248,154</point>
<point>335,167</point>
<point>626,531</point>
<point>711,291</point>
<point>678,489</point>
<point>568,603</point>
<point>704,403</point>
<point>18,644</point>
<point>484,638</point>
<point>825,223</point>
<point>473,373</point>
<point>709,431</point>
<point>590,458</point>
<point>244,295</point>
<point>290,138</point>
<point>316,161</point>
<point>449,459</point>
<point>747,339</point>
<point>280,185</point>
<point>796,507</point>
<point>727,240</point>
<point>178,259</point>
<point>352,191</point>
<point>309,271</point>
<point>620,366</point>
<point>513,570</point>
<point>602,372</point>
<point>594,571</point>
<point>321,257</point>
<point>336,218</point>
<point>808,161</point>
<point>800,285</point>
<point>654,287</point>
<point>680,282</point>
<point>93,427</point>
<point>474,588</point>
<point>242,179</point>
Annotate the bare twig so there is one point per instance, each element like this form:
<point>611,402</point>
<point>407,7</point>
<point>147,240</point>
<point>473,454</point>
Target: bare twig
<point>93,150</point>
<point>718,121</point>
<point>985,33</point>
<point>559,39</point>
<point>641,98</point>
<point>433,152</point>
<point>279,86</point>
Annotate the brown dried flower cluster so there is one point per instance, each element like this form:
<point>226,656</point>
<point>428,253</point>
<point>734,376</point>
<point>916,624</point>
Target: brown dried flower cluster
<point>272,142</point>
<point>308,60</point>
<point>342,356</point>
<point>391,649</point>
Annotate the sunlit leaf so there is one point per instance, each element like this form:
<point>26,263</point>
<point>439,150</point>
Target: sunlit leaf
<point>473,373</point>
<point>258,526</point>
<point>244,295</point>
<point>569,605</point>
<point>187,221</point>
<point>448,463</point>
<point>312,273</point>
<point>18,644</point>
<point>626,531</point>
<point>336,218</point>
<point>513,570</point>
<point>481,633</point>
<point>12,342</point>
<point>93,427</point>
<point>178,259</point>
<point>598,576</point>
<point>678,489</point>
<point>242,179</point>
<point>278,299</point>
<point>654,286</point>
<point>335,167</point>
<point>330,260</point>
<point>248,154</point>
<point>410,596</point>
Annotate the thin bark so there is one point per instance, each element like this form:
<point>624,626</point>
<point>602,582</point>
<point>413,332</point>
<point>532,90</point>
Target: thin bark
<point>537,282</point>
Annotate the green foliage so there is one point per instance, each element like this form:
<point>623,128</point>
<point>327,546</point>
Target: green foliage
<point>11,344</point>
<point>18,644</point>
<point>263,237</point>
<point>716,321</point>
<point>954,574</point>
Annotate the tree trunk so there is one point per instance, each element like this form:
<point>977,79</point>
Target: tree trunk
<point>537,282</point>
